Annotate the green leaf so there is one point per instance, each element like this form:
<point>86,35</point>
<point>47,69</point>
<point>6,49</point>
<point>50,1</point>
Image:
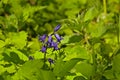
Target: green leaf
<point>75,38</point>
<point>76,52</point>
<point>109,74</point>
<point>65,40</point>
<point>46,75</point>
<point>86,69</point>
<point>97,30</point>
<point>34,44</point>
<point>21,55</point>
<point>116,63</point>
<point>2,36</point>
<point>106,49</point>
<point>5,1</point>
<point>12,21</point>
<point>90,14</point>
<point>11,69</point>
<point>62,68</point>
<point>2,69</point>
<point>72,13</point>
<point>19,39</point>
<point>79,78</point>
<point>38,55</point>
<point>31,70</point>
<point>2,43</point>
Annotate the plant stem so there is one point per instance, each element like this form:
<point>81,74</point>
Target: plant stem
<point>119,30</point>
<point>44,57</point>
<point>104,6</point>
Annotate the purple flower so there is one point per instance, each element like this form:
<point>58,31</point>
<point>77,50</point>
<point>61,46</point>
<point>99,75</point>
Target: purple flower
<point>43,49</point>
<point>57,28</point>
<point>55,45</point>
<point>42,38</point>
<point>58,37</point>
<point>51,61</point>
<point>50,44</point>
<point>50,39</point>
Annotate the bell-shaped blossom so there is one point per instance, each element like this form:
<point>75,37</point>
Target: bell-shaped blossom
<point>42,38</point>
<point>55,45</point>
<point>57,28</point>
<point>50,39</point>
<point>58,37</point>
<point>43,49</point>
<point>51,61</point>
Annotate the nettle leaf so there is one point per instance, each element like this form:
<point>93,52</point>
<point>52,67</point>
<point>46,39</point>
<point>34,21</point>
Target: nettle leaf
<point>19,39</point>
<point>46,75</point>
<point>72,13</point>
<point>79,78</point>
<point>75,38</point>
<point>2,69</point>
<point>76,52</point>
<point>31,70</point>
<point>116,63</point>
<point>109,74</point>
<point>11,69</point>
<point>16,7</point>
<point>61,68</point>
<point>86,69</point>
<point>97,30</point>
<point>30,10</point>
<point>2,43</point>
<point>105,49</point>
<point>5,1</point>
<point>2,36</point>
<point>58,67</point>
<point>38,55</point>
<point>21,55</point>
<point>34,45</point>
<point>65,40</point>
<point>12,21</point>
<point>90,14</point>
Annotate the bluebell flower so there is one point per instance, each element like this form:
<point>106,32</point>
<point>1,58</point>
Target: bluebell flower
<point>52,44</point>
<point>58,37</point>
<point>48,42</point>
<point>43,49</point>
<point>50,39</point>
<point>57,28</point>
<point>51,61</point>
<point>55,45</point>
<point>42,38</point>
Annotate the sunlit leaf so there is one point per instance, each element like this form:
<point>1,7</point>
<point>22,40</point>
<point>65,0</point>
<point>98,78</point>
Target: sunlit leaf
<point>77,52</point>
<point>31,70</point>
<point>109,74</point>
<point>2,43</point>
<point>86,69</point>
<point>19,39</point>
<point>116,65</point>
<point>90,14</point>
<point>62,68</point>
<point>2,69</point>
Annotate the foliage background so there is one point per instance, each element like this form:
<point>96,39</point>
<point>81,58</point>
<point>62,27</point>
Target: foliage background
<point>90,48</point>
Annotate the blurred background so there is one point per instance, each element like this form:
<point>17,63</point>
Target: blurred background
<point>85,25</point>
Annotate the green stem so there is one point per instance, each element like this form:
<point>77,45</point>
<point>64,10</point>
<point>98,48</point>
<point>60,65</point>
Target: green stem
<point>104,6</point>
<point>119,30</point>
<point>44,57</point>
<point>94,63</point>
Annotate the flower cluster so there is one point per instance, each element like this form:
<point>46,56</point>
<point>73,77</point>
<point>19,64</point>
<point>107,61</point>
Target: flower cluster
<point>49,42</point>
